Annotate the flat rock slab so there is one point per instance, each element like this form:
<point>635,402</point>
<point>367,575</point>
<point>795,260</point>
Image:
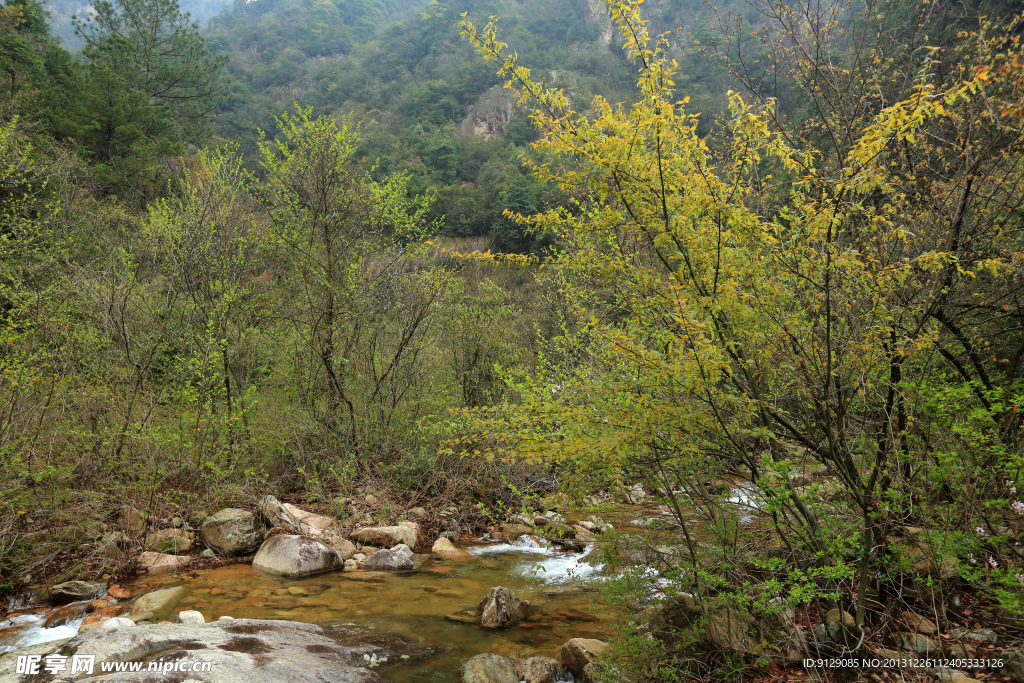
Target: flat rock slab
<point>239,651</point>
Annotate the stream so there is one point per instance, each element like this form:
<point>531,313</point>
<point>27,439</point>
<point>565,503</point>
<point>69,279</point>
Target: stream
<point>408,613</point>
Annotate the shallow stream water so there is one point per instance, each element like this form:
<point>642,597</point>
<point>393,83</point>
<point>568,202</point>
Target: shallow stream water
<point>406,613</point>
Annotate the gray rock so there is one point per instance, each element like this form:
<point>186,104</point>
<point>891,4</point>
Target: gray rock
<point>501,608</point>
<point>115,622</point>
<point>351,565</point>
<point>919,623</point>
<point>386,536</point>
<point>232,532</point>
<point>293,519</point>
<point>240,650</point>
<point>157,600</point>
<point>398,557</point>
<point>489,668</point>
<point>915,642</point>
<point>191,616</point>
<point>76,590</point>
<point>156,563</point>
<point>296,556</point>
<point>837,624</point>
<point>635,494</point>
<point>725,627</point>
<point>173,541</point>
<point>600,526</point>
<point>345,547</point>
<point>577,653</point>
<point>444,549</point>
<point>981,635</point>
<point>208,553</point>
<point>1013,664</point>
<point>9,659</point>
<point>540,670</point>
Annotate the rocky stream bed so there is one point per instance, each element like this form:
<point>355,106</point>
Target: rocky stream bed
<point>314,605</point>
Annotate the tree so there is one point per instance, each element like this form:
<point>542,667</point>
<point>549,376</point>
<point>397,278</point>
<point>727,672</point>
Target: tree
<point>160,50</point>
<point>205,239</point>
<point>359,304</point>
<point>150,82</point>
<point>788,308</point>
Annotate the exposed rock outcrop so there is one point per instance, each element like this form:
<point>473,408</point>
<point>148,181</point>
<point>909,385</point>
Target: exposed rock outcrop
<point>489,116</point>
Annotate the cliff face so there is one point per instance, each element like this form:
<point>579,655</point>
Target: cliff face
<point>491,113</point>
<point>596,12</point>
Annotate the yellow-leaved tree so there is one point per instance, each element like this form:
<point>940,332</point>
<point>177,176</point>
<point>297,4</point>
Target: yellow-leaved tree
<point>830,330</point>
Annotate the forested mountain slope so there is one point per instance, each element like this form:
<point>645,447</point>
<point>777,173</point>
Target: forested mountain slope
<point>429,105</point>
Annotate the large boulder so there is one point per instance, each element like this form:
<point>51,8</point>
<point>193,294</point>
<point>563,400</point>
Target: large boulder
<point>239,650</point>
<point>232,532</point>
<point>444,549</point>
<point>157,600</point>
<point>75,590</point>
<point>489,668</point>
<point>501,608</point>
<point>398,557</point>
<point>577,653</point>
<point>386,536</point>
<point>293,519</point>
<point>296,556</point>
